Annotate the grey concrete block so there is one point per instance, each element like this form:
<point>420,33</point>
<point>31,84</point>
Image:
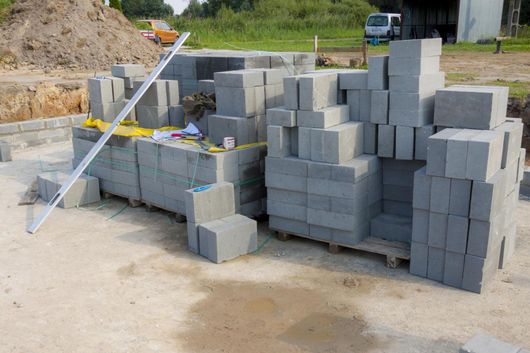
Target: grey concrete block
<point>279,141</point>
<point>244,130</point>
<point>318,90</point>
<point>419,254</point>
<point>365,105</point>
<point>397,193</point>
<point>404,143</point>
<point>324,118</point>
<point>193,237</point>
<point>335,188</point>
<point>513,133</point>
<point>417,84</point>
<point>437,151</point>
<point>378,72</point>
<point>128,70</point>
<point>208,203</point>
<point>287,197</point>
<point>353,98</point>
<point>206,86</point>
<point>294,142</point>
<point>484,155</point>
<point>288,225</point>
<point>272,76</point>
<point>239,78</point>
<point>478,272</point>
<point>273,96</point>
<point>32,125</point>
<point>391,227</point>
<point>421,139</point>
<point>410,117</point>
<point>152,117</point>
<point>523,171</point>
<point>457,150</point>
<point>287,166</point>
<point>100,90</point>
<point>460,197</point>
<point>227,238</point>
<point>422,190</point>
<point>457,232</point>
<point>400,66</point>
<point>473,107</point>
<point>437,230</point>
<point>353,79</point>
<point>484,238</point>
<point>240,102</point>
<point>420,226</point>
<point>412,102</point>
<point>416,48</point>
<point>176,117</point>
<point>10,128</point>
<point>482,343</point>
<point>487,197</point>
<point>172,91</point>
<point>370,138</point>
<point>453,269</point>
<point>385,141</point>
<point>118,88</point>
<point>340,221</point>
<point>289,211</point>
<point>5,152</point>
<point>291,92</point>
<point>436,264</point>
<point>85,189</point>
<point>440,195</point>
<point>106,111</point>
<point>337,144</point>
<point>352,171</point>
<point>379,108</point>
<point>287,182</point>
<point>156,94</point>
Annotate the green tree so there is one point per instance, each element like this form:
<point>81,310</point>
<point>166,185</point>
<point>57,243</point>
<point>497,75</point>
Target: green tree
<point>193,10</point>
<point>146,8</point>
<point>115,4</point>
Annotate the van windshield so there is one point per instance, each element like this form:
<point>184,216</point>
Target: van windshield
<point>377,21</point>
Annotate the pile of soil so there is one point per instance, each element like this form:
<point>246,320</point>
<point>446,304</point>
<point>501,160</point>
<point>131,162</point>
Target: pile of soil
<point>77,34</point>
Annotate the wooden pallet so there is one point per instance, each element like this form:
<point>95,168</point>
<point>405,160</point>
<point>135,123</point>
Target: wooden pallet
<point>394,251</point>
<point>132,202</point>
<point>179,218</point>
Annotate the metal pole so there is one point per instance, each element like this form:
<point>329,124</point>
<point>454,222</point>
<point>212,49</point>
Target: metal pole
<point>106,136</point>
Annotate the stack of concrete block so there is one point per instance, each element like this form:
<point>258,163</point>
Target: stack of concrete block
<point>107,97</point>
<point>482,343</point>
<point>190,68</point>
<point>159,106</point>
<point>116,166</point>
<point>129,73</point>
<point>169,168</point>
<point>525,182</point>
<point>84,191</point>
<point>5,152</point>
<point>241,98</point>
<point>317,177</point>
<point>465,199</point>
<point>215,230</point>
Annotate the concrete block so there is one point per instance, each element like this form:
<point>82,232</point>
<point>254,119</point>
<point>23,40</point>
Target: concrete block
<point>487,197</point>
<point>206,86</point>
<point>410,117</point>
<point>413,102</point>
<point>484,155</point>
<point>227,238</point>
<point>473,107</point>
<point>437,151</point>
<point>417,84</point>
<point>419,254</point>
<point>460,197</point>
<point>484,237</point>
<point>288,225</point>
<point>365,105</point>
<point>482,343</point>
<point>370,138</point>
<point>416,48</point>
<point>379,107</point>
<point>437,230</point>
<point>288,197</point>
<point>440,195</point>
<point>100,90</point>
<point>422,190</point>
<point>397,193</point>
<point>107,111</point>
<point>420,226</point>
<point>240,102</point>
<point>205,204</point>
<point>436,264</point>
<point>354,171</point>
<point>404,143</point>
<point>9,129</point>
<point>378,72</point>
<point>291,92</point>
<point>399,66</point>
<point>340,221</point>
<point>118,88</point>
<point>337,144</point>
<point>177,119</point>
<point>85,189</point>
<point>244,130</point>
<point>193,237</point>
<point>457,231</point>
<point>453,269</point>
<point>287,166</point>
<point>152,117</point>
<point>289,211</point>
<point>279,141</point>
<point>513,133</point>
<point>5,152</point>
<point>128,70</point>
<point>272,76</point>
<point>318,90</point>
<point>523,171</point>
<point>353,98</point>
<point>421,138</point>
<point>385,141</point>
<point>478,272</point>
<point>273,96</point>
<point>287,182</point>
<point>172,91</point>
<point>335,188</point>
<point>391,227</point>
<point>353,79</point>
<point>324,118</point>
<point>456,156</point>
<point>239,78</point>
<point>156,94</point>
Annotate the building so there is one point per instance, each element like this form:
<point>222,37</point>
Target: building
<point>453,20</point>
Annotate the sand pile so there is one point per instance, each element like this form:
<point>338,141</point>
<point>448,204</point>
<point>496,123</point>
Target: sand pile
<point>77,34</point>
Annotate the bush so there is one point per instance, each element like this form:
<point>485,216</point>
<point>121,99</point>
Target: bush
<point>115,4</point>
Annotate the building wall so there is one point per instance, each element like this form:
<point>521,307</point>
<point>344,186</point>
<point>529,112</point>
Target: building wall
<point>479,19</point>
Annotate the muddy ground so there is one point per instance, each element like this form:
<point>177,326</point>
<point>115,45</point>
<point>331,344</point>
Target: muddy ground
<point>105,278</point>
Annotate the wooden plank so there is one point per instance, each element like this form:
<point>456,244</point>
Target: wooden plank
<point>30,196</point>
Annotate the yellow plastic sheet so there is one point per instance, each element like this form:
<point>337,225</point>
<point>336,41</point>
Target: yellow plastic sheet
<point>126,128</point>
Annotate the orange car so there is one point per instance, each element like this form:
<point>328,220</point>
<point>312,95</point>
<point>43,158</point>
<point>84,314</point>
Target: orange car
<point>160,31</point>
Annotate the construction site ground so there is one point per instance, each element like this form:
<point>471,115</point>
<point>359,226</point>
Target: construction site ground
<point>110,278</point>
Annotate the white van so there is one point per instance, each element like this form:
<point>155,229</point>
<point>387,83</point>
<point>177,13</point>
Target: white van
<point>383,26</point>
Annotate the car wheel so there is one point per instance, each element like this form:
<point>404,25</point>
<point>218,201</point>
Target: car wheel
<point>157,40</point>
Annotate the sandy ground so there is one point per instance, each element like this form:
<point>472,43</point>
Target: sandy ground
<point>111,279</point>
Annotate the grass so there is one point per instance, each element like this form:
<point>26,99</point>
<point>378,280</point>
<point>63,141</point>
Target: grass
<point>5,6</point>
<point>518,89</point>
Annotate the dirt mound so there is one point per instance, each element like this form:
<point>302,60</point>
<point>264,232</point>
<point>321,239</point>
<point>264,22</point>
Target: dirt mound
<point>77,34</point>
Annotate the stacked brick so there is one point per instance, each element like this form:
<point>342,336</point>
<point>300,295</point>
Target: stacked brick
<point>190,69</point>
<point>116,166</point>
<point>129,73</point>
<point>85,190</point>
<point>169,168</point>
<point>215,231</point>
<point>319,182</point>
<point>465,198</point>
<point>107,97</point>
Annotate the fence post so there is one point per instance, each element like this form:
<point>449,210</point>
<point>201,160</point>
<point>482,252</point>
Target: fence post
<point>365,52</point>
<point>315,44</point>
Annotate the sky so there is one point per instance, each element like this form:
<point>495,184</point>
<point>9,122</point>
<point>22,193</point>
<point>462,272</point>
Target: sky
<point>178,5</point>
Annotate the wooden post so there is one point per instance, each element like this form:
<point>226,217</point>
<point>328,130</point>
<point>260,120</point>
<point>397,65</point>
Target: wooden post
<point>365,52</point>
<point>315,44</point>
